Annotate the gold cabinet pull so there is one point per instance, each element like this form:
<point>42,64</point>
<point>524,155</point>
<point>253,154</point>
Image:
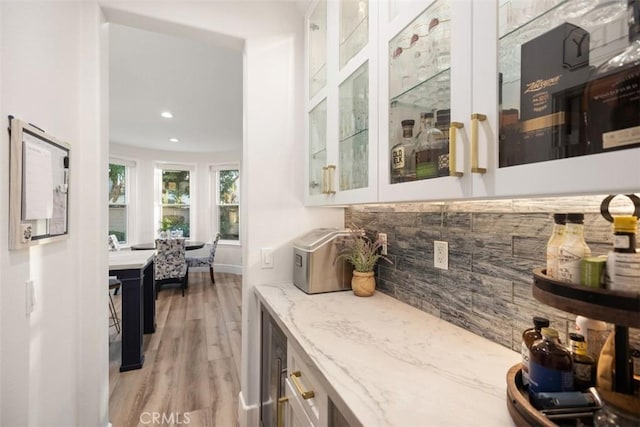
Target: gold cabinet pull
<point>280,411</point>
<point>305,394</point>
<point>325,177</point>
<point>331,169</point>
<point>453,133</point>
<point>475,118</point>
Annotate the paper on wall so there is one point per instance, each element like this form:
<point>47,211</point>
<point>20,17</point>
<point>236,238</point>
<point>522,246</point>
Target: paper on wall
<point>37,182</point>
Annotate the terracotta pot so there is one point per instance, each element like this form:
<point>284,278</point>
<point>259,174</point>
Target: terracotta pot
<point>363,284</point>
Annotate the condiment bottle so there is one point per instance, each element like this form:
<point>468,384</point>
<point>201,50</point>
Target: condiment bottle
<point>529,336</point>
<point>595,333</point>
<point>623,264</point>
<point>553,246</point>
<point>584,366</point>
<point>550,364</point>
<point>403,158</point>
<point>572,249</point>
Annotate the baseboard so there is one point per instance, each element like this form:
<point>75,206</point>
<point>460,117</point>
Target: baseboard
<point>248,416</point>
<point>220,268</point>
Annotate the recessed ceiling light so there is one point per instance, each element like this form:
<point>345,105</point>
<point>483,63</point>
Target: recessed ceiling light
<point>167,114</point>
<point>174,140</point>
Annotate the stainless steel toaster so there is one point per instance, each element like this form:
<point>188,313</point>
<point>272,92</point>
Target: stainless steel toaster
<point>314,269</point>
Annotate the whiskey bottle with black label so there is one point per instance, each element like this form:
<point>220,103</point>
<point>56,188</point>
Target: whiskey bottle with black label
<point>612,96</point>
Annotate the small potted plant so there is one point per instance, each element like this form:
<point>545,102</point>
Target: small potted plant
<point>363,253</point>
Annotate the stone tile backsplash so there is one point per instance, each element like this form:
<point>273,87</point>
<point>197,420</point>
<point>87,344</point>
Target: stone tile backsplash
<point>493,248</point>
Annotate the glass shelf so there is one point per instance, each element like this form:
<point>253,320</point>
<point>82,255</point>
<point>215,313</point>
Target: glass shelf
<point>353,146</point>
<point>354,28</point>
<point>354,161</point>
<point>440,79</point>
<point>353,135</point>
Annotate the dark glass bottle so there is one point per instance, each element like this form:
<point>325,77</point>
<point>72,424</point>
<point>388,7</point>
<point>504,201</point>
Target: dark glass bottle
<point>611,98</point>
<point>529,336</point>
<point>584,366</point>
<point>550,364</point>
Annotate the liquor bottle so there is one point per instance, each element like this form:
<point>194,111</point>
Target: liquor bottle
<point>429,146</point>
<point>443,123</point>
<point>403,159</point>
<point>611,97</point>
<point>550,365</point>
<point>584,366</point>
<point>572,249</point>
<point>553,246</point>
<point>529,336</point>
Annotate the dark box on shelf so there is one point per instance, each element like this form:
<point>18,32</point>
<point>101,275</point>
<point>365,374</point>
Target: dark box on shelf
<point>554,72</point>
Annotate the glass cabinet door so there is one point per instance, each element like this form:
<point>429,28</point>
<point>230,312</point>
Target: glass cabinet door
<point>419,89</point>
<point>354,28</point>
<point>569,79</point>
<point>353,148</point>
<point>317,147</point>
<point>317,39</point>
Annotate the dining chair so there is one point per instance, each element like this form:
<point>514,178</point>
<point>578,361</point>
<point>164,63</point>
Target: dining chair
<point>205,261</point>
<point>114,284</point>
<point>170,264</point>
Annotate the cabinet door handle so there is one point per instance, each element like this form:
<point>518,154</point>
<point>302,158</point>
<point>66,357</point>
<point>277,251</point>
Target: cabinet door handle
<point>331,169</point>
<point>280,411</point>
<point>305,394</point>
<point>475,118</point>
<point>324,184</point>
<point>453,133</point>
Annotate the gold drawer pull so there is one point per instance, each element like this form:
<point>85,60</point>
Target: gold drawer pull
<point>280,411</point>
<point>475,118</point>
<point>453,132</point>
<point>305,394</point>
<point>331,170</point>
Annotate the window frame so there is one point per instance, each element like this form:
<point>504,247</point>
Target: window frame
<point>159,167</point>
<point>129,191</point>
<point>215,174</point>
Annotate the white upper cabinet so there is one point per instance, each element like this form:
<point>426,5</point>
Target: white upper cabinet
<point>341,148</point>
<point>448,99</point>
<point>558,119</point>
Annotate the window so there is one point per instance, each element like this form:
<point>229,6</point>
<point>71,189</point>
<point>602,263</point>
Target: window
<point>175,200</point>
<point>118,201</point>
<point>228,201</point>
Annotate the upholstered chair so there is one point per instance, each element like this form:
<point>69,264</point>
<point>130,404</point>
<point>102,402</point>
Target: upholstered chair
<point>205,261</point>
<point>170,265</point>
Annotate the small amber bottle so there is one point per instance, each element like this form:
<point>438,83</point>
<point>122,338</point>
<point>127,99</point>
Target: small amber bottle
<point>529,336</point>
<point>584,366</point>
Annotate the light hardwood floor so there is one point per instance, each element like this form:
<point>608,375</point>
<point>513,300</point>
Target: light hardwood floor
<point>192,362</point>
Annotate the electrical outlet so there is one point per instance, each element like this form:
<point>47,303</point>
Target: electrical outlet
<point>383,239</point>
<point>441,255</point>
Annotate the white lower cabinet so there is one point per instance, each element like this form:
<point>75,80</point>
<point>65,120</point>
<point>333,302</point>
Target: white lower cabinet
<point>307,400</point>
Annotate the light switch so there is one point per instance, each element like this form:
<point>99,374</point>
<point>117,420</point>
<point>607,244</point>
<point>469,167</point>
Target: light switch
<point>30,297</point>
<point>267,258</point>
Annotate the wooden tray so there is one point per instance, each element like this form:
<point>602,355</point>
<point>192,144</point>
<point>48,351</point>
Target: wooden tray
<point>617,307</point>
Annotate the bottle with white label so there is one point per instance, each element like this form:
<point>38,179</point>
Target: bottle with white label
<point>623,264</point>
<point>595,333</point>
<point>553,246</point>
<point>403,155</point>
<point>572,249</point>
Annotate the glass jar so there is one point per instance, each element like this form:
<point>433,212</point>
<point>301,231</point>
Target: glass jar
<point>611,416</point>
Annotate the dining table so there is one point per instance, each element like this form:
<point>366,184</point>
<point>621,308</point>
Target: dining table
<point>189,245</point>
<point>135,270</point>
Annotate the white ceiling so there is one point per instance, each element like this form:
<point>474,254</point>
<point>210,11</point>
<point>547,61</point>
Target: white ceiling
<point>199,82</point>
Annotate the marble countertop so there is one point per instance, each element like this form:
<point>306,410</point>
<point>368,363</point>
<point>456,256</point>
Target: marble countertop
<point>391,364</point>
<point>125,260</point>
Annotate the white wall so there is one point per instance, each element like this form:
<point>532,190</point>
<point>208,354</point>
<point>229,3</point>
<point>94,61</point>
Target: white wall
<point>272,196</point>
<point>54,363</point>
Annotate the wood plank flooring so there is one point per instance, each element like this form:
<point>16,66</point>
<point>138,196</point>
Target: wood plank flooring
<point>192,362</point>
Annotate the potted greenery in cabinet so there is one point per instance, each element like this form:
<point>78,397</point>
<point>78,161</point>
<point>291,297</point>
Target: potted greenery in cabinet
<point>363,253</point>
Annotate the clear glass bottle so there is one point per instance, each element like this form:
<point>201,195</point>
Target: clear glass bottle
<point>623,264</point>
<point>550,365</point>
<point>612,110</point>
<point>584,366</point>
<point>553,246</point>
<point>530,336</point>
<point>403,159</point>
<point>429,146</point>
<point>572,249</point>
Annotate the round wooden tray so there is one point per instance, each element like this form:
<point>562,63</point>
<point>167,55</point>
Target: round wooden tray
<point>618,307</point>
<point>521,411</point>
